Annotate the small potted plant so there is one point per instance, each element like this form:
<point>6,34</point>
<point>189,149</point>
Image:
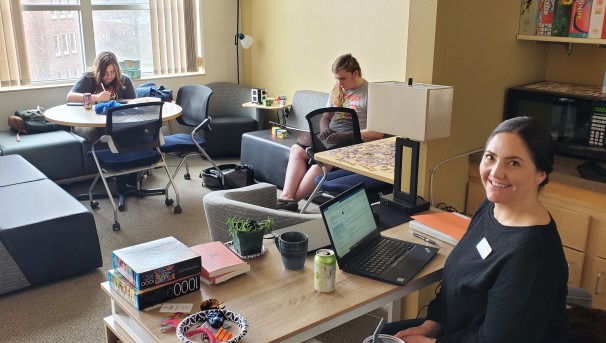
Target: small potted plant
<point>248,234</point>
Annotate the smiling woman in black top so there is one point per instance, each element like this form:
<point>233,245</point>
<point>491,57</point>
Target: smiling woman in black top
<point>506,279</point>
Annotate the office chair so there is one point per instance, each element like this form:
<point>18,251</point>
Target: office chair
<point>193,100</point>
<point>338,181</point>
<point>133,135</point>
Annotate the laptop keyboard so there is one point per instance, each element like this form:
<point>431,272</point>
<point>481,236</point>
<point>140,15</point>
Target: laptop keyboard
<point>381,255</point>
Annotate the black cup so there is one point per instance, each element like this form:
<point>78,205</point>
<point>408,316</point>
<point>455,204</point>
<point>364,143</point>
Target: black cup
<point>293,249</point>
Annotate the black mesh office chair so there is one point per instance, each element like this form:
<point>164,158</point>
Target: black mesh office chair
<point>347,132</point>
<point>133,136</point>
<point>193,100</point>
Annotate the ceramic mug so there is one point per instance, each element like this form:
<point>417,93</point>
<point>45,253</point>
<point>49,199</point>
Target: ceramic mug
<point>293,249</point>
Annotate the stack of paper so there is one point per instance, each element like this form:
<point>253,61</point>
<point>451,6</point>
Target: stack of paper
<point>219,263</point>
<point>445,226</point>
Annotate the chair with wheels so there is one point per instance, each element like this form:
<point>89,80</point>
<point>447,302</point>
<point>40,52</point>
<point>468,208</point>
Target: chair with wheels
<point>133,135</point>
<point>194,100</point>
<point>338,181</point>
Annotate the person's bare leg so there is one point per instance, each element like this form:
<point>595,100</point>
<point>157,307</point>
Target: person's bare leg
<point>295,171</point>
<point>307,185</point>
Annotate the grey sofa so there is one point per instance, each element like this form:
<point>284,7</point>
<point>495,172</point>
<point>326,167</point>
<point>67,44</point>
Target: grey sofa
<point>59,155</point>
<point>268,154</point>
<point>45,234</point>
<point>229,119</point>
<point>255,202</point>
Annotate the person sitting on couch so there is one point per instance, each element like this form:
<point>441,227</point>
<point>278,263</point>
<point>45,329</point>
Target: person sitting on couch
<point>351,91</point>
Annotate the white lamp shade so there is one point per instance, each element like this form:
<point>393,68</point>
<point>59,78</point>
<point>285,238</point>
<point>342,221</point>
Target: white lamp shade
<point>419,111</point>
<point>247,41</point>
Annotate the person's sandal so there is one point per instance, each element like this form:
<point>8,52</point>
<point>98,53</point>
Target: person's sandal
<point>288,205</point>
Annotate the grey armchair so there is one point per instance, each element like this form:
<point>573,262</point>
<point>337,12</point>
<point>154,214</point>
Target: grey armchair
<point>229,119</point>
<point>256,202</point>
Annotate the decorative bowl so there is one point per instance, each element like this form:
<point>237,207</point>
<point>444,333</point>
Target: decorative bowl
<point>199,318</point>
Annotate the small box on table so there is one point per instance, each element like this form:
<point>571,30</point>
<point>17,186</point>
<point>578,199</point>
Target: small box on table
<point>157,262</point>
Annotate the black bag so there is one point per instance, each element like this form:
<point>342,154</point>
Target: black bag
<point>150,89</point>
<point>31,121</point>
<point>235,176</point>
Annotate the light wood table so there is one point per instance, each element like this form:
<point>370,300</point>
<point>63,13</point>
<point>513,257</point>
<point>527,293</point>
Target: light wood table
<point>79,116</point>
<point>280,110</point>
<point>375,159</point>
<point>280,305</point>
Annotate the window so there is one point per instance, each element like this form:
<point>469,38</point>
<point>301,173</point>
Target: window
<point>65,44</point>
<point>162,35</point>
<point>73,42</point>
<point>57,44</point>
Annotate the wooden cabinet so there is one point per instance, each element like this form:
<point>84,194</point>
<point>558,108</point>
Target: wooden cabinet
<point>579,208</point>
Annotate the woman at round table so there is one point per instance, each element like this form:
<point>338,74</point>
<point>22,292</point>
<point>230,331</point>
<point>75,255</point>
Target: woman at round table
<point>505,281</point>
<point>105,82</point>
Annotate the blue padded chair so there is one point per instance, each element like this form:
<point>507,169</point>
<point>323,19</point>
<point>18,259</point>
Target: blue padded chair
<point>133,135</point>
<point>338,181</point>
<point>193,100</point>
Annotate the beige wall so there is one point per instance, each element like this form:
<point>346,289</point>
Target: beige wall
<point>471,46</point>
<point>477,53</point>
<point>219,55</point>
<point>585,65</point>
<point>296,42</point>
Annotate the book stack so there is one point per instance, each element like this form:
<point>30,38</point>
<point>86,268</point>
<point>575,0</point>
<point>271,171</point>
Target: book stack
<point>150,273</point>
<point>563,18</point>
<point>445,226</point>
<point>219,263</point>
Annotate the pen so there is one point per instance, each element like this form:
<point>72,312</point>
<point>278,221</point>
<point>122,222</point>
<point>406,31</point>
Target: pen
<point>102,86</point>
<point>424,238</point>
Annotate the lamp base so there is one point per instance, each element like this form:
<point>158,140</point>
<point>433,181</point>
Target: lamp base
<point>404,205</point>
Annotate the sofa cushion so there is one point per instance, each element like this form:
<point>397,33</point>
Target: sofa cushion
<point>47,232</point>
<point>15,169</point>
<point>58,155</point>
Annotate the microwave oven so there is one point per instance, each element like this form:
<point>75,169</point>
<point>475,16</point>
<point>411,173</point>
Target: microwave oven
<point>575,115</point>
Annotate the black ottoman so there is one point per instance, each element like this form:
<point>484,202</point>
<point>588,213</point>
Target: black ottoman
<point>267,154</point>
<point>45,234</point>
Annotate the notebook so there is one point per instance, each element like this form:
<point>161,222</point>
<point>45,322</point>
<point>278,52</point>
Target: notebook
<point>359,247</point>
<point>315,231</point>
<point>303,136</point>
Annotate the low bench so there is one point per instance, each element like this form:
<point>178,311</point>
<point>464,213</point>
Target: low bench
<point>60,155</point>
<point>45,234</point>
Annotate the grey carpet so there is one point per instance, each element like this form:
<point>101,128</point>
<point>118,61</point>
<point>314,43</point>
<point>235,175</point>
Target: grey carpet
<point>72,310</point>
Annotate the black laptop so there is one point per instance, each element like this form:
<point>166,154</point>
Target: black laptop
<point>359,247</point>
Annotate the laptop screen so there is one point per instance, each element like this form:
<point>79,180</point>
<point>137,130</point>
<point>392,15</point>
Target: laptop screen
<point>349,219</point>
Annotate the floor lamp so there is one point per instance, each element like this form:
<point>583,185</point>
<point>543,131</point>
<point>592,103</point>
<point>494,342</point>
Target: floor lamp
<point>245,40</point>
<point>414,112</point>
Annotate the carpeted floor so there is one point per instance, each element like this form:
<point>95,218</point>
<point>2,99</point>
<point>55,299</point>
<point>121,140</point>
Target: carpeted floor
<point>72,310</point>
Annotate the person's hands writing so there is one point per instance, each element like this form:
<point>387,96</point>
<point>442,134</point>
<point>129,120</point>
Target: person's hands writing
<point>102,97</point>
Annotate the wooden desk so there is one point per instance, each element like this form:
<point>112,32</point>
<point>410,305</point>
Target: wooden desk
<point>79,116</point>
<point>375,159</point>
<point>281,305</point>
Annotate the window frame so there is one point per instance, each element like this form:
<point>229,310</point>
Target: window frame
<point>87,38</point>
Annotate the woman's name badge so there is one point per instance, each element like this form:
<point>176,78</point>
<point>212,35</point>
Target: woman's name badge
<point>484,248</point>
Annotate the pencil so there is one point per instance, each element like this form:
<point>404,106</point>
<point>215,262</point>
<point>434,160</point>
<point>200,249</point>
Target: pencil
<point>102,86</point>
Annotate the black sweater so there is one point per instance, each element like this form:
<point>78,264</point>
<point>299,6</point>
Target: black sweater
<point>517,294</point>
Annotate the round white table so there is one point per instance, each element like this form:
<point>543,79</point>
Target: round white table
<point>79,116</point>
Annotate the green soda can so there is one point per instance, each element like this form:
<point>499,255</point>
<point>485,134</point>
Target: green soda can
<point>325,268</point>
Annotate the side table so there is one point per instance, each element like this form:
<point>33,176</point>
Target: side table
<point>280,110</point>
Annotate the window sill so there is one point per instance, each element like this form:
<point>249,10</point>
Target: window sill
<point>63,84</point>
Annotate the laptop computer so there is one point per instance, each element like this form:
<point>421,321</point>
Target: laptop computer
<point>359,247</point>
<point>302,135</point>
<point>315,231</point>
